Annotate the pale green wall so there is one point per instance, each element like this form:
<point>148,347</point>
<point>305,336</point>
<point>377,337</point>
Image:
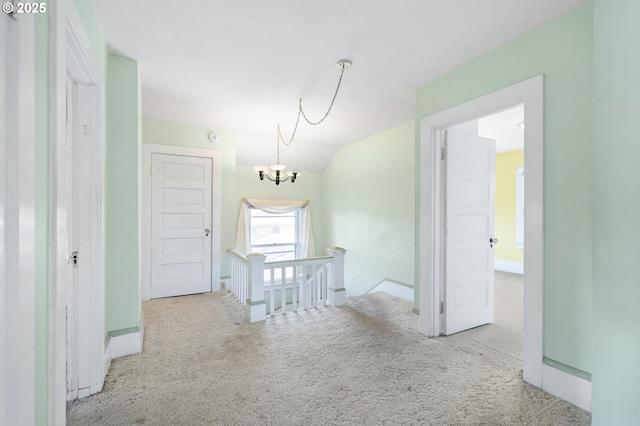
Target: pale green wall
<point>307,187</point>
<point>186,135</point>
<point>369,208</point>
<point>122,195</point>
<point>505,221</point>
<point>562,51</point>
<point>616,211</point>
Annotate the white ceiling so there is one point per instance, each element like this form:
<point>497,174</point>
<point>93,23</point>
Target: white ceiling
<point>503,127</point>
<point>241,65</point>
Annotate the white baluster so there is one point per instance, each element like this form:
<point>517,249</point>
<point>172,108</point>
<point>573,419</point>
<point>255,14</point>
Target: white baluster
<point>324,284</point>
<point>295,292</point>
<point>283,292</point>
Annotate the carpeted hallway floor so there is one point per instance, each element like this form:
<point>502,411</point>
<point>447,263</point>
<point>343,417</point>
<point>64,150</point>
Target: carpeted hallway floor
<point>362,364</point>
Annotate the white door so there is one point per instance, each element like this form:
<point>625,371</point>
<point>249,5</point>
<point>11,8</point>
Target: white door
<point>470,193</point>
<point>79,333</point>
<point>180,225</point>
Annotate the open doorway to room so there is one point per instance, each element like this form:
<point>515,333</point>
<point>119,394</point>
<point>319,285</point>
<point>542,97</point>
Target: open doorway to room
<point>431,253</point>
<point>483,211</point>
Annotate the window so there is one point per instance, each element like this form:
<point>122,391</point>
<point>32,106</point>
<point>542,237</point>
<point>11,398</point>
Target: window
<point>274,234</point>
<point>278,229</point>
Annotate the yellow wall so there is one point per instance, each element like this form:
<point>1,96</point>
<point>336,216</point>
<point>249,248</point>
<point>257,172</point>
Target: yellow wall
<point>506,164</point>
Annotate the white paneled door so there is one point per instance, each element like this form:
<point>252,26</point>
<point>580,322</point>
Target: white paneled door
<point>180,225</point>
<point>470,194</point>
<point>79,214</point>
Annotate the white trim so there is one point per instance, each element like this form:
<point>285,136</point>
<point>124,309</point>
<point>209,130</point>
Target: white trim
<point>216,210</point>
<point>394,288</point>
<point>70,50</point>
<point>126,344</point>
<point>85,62</point>
<point>428,256</point>
<point>106,358</point>
<point>17,220</point>
<point>90,239</point>
<point>225,283</point>
<point>57,220</point>
<point>508,266</point>
<point>573,389</point>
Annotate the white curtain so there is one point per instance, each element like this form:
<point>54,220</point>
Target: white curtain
<point>243,237</point>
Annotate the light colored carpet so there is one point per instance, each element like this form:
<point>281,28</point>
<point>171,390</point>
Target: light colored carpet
<point>362,363</point>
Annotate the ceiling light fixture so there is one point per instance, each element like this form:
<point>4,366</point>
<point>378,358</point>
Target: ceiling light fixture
<point>276,172</point>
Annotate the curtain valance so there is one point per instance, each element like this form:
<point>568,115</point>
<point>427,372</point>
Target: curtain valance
<point>243,236</point>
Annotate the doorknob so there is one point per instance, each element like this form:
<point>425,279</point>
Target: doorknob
<point>206,232</point>
<point>493,241</point>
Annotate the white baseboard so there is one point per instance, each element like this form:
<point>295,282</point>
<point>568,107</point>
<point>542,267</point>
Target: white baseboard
<point>573,389</point>
<point>225,283</point>
<point>415,321</point>
<point>107,358</point>
<point>508,266</point>
<point>126,344</point>
<point>394,288</point>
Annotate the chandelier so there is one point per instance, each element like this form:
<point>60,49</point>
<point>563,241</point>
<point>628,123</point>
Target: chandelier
<point>276,172</point>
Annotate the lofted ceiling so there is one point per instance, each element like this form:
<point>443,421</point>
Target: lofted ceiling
<point>242,65</point>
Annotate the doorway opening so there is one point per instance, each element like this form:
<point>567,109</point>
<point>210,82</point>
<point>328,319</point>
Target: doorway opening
<point>483,222</point>
<point>430,253</point>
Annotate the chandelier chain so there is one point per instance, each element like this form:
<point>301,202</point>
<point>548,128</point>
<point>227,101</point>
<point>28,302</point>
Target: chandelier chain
<point>301,113</point>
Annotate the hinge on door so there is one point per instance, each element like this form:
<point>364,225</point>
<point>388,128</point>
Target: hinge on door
<point>442,307</point>
<point>442,153</point>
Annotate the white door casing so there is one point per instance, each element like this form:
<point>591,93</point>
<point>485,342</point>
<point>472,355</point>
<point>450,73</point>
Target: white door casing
<point>180,225</point>
<point>429,264</point>
<point>469,228</point>
<point>17,220</point>
<point>78,359</point>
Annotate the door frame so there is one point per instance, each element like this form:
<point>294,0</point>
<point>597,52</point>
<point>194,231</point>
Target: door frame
<point>216,207</point>
<point>18,238</point>
<point>431,221</point>
<point>70,52</point>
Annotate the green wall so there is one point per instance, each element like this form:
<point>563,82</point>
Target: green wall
<point>616,211</point>
<point>562,52</point>
<point>505,222</point>
<point>122,195</point>
<point>369,208</point>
